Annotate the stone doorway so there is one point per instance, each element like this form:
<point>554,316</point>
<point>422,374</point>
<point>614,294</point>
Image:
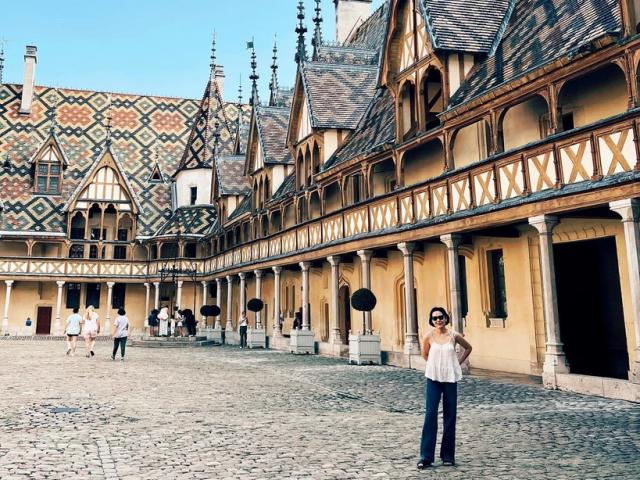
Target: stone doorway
<point>590,307</point>
<point>344,302</point>
<point>43,321</point>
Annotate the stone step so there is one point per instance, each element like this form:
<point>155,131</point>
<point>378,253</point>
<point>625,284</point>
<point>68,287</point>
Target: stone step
<point>172,344</point>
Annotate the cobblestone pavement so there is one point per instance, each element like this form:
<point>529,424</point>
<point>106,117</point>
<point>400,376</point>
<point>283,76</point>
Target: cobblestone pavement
<point>229,413</point>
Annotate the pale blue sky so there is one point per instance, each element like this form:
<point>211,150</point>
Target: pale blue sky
<point>158,47</point>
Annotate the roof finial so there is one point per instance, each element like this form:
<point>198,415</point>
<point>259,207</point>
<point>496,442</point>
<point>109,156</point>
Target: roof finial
<point>216,139</point>
<point>1,59</point>
<point>254,101</point>
<point>108,139</point>
<point>317,34</point>
<point>273,85</point>
<point>54,114</point>
<point>240,92</point>
<point>240,119</point>
<point>301,50</point>
<point>213,55</point>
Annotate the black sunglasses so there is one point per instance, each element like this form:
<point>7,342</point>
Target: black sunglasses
<point>438,317</point>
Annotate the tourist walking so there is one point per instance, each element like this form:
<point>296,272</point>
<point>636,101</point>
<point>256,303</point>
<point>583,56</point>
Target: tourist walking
<point>163,319</point>
<point>120,334</point>
<point>243,323</point>
<point>72,330</point>
<point>90,329</point>
<point>443,373</point>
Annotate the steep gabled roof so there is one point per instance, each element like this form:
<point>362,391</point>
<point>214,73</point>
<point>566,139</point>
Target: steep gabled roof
<point>51,140</point>
<point>371,33</point>
<point>272,125</point>
<point>353,55</point>
<point>465,25</point>
<point>244,207</point>
<point>230,175</point>
<point>538,33</point>
<point>288,186</point>
<point>197,220</point>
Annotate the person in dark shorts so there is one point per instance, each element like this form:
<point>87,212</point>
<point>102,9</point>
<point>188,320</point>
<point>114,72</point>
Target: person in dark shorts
<point>120,333</point>
<point>153,322</point>
<point>72,330</point>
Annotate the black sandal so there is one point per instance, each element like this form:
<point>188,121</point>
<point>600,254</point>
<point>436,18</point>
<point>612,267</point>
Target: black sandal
<point>422,464</point>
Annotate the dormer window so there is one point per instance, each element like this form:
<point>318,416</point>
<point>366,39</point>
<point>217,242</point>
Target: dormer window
<point>48,172</point>
<point>156,175</point>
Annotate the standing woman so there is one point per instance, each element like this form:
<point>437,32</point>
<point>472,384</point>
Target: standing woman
<point>120,334</point>
<point>91,329</point>
<point>443,373</point>
<point>163,318</point>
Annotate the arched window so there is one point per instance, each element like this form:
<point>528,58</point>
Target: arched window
<point>433,98</point>
<point>408,116</point>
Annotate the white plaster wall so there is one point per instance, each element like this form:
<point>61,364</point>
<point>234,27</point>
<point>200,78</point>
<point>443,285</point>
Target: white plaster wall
<point>186,179</point>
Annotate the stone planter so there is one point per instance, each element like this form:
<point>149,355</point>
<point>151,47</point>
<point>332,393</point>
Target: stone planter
<point>364,349</point>
<point>257,338</point>
<point>302,341</point>
<point>215,334</point>
<point>231,337</point>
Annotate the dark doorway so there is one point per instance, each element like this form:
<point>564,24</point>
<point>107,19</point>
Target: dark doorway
<point>344,298</point>
<point>590,307</point>
<point>43,322</point>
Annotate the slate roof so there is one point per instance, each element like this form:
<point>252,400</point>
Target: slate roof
<point>371,34</point>
<point>287,186</point>
<point>466,25</point>
<point>356,55</point>
<point>191,220</point>
<point>272,125</point>
<point>230,175</point>
<point>538,33</point>
<point>338,94</point>
<point>244,207</point>
<point>376,129</point>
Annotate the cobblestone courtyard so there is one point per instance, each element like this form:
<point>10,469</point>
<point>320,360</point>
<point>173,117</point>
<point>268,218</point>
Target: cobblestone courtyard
<point>228,413</point>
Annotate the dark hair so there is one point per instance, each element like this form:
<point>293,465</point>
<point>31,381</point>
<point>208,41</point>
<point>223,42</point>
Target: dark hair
<point>155,311</point>
<point>121,312</point>
<point>444,314</point>
<point>76,310</point>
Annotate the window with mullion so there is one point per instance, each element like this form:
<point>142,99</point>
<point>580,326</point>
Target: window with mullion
<point>48,177</point>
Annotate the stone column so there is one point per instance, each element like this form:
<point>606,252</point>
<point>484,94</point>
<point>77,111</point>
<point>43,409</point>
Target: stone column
<point>179,295</point>
<point>7,300</point>
<point>365,258</point>
<point>147,296</point>
<point>334,336</point>
<point>411,343</point>
<point>305,295</point>
<point>555,359</point>
<point>229,326</point>
<point>217,325</point>
<point>107,317</point>
<point>205,284</point>
<point>276,300</point>
<point>57,327</point>
<point>629,210</point>
<point>453,241</point>
<point>156,299</point>
<point>258,274</point>
<point>243,293</point>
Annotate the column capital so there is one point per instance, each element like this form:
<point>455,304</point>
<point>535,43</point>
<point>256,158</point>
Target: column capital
<point>277,270</point>
<point>305,266</point>
<point>365,255</point>
<point>156,284</point>
<point>110,284</point>
<point>406,248</point>
<point>219,281</point>
<point>229,279</point>
<point>544,224</point>
<point>334,260</point>
<point>242,275</point>
<point>9,282</point>
<point>258,273</point>
<point>180,283</point>
<point>60,283</point>
<point>451,240</point>
<point>147,285</point>
<point>204,283</point>
<point>628,209</point>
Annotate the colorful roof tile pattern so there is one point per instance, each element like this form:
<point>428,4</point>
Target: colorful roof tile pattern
<point>191,220</point>
<point>140,126</point>
<point>538,33</point>
<point>272,123</point>
<point>230,175</point>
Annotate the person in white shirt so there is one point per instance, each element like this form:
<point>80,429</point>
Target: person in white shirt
<point>443,373</point>
<point>90,329</point>
<point>72,330</point>
<point>243,323</point>
<point>163,318</point>
<point>120,334</point>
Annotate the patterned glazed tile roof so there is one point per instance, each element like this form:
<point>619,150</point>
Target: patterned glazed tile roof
<point>371,34</point>
<point>538,33</point>
<point>338,94</point>
<point>272,125</point>
<point>352,55</point>
<point>465,25</point>
<point>230,175</point>
<point>285,97</point>
<point>376,129</point>
<point>244,207</point>
<point>287,186</point>
<point>139,125</point>
<point>191,220</point>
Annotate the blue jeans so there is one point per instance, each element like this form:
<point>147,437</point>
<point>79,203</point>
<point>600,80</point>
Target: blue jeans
<point>449,393</point>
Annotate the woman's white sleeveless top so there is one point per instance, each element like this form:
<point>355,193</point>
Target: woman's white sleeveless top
<point>442,363</point>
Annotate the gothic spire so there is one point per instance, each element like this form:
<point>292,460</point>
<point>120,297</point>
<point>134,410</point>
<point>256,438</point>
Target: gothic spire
<point>239,106</point>
<point>254,101</point>
<point>1,60</point>
<point>301,49</point>
<point>108,138</point>
<point>273,85</point>
<point>212,65</point>
<point>317,33</point>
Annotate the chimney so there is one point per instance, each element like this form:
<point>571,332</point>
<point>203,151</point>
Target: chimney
<point>220,79</point>
<point>350,14</point>
<point>30,61</point>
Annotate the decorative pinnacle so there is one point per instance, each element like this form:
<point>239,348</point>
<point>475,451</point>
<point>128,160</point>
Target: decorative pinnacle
<point>301,51</point>
<point>1,60</point>
<point>213,55</point>
<point>254,77</point>
<point>54,114</point>
<point>216,139</point>
<point>273,85</point>
<point>317,34</point>
<point>109,118</point>
<point>240,92</point>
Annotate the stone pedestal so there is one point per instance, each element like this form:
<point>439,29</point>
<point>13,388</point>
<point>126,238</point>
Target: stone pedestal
<point>364,349</point>
<point>257,338</point>
<point>302,341</point>
<point>215,335</point>
<point>231,337</point>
